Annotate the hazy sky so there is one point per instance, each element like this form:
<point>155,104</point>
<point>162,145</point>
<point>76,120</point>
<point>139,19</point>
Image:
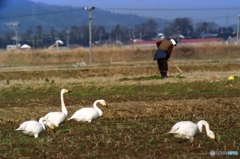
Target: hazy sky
<point>223,12</point>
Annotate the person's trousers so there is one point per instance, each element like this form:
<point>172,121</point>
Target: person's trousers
<point>163,66</point>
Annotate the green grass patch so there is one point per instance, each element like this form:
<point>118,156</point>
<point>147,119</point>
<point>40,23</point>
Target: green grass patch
<point>180,90</point>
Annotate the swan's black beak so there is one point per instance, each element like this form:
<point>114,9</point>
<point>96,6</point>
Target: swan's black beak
<point>106,106</point>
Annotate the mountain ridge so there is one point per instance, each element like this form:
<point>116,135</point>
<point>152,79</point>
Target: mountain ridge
<point>31,14</point>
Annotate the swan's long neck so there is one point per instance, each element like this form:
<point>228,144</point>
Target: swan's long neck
<point>41,122</point>
<point>200,125</point>
<point>63,107</point>
<point>95,107</point>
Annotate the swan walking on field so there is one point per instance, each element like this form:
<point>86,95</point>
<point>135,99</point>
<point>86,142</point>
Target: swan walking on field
<point>89,113</point>
<point>188,129</point>
<point>58,117</point>
<point>34,128</point>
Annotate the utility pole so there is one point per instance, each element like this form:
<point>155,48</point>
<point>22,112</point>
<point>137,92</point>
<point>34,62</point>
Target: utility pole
<point>68,32</point>
<point>238,29</point>
<point>89,9</point>
<point>16,28</point>
<point>16,25</point>
<point>33,42</point>
<point>110,37</point>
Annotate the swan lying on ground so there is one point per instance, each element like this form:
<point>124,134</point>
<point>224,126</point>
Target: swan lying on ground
<point>34,128</point>
<point>58,117</point>
<point>188,129</point>
<point>89,113</point>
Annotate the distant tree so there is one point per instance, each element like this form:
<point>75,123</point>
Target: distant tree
<point>27,36</point>
<point>2,44</point>
<point>79,35</point>
<point>99,34</point>
<point>151,28</point>
<point>169,30</point>
<point>84,35</point>
<point>206,28</point>
<point>53,33</point>
<point>139,30</point>
<point>146,30</point>
<point>62,36</point>
<point>8,37</point>
<point>225,32</point>
<point>124,35</point>
<point>117,32</point>
<point>183,26</point>
<point>38,35</point>
<point>74,34</point>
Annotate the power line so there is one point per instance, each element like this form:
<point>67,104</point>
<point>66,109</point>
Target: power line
<point>124,25</point>
<point>21,16</point>
<point>174,9</point>
<point>214,18</point>
<point>40,14</point>
<point>136,9</point>
<point>126,9</point>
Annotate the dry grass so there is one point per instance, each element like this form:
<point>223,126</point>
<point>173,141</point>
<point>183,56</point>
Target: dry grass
<point>210,51</point>
<point>114,54</point>
<point>142,107</point>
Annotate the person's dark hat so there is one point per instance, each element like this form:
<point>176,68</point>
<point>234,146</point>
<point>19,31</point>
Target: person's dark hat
<point>174,42</point>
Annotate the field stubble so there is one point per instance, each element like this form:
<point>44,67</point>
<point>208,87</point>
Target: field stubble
<point>142,109</point>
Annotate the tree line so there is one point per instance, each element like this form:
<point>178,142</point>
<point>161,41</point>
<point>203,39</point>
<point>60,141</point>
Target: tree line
<point>38,38</point>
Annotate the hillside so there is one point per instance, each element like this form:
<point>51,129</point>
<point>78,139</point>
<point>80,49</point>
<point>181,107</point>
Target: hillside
<point>30,15</point>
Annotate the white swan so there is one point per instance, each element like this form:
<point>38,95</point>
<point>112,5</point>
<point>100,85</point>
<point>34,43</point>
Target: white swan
<point>34,128</point>
<point>58,117</point>
<point>188,129</point>
<point>89,113</point>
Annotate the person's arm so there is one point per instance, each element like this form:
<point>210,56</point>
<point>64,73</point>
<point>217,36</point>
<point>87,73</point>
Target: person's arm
<point>169,51</point>
<point>158,43</point>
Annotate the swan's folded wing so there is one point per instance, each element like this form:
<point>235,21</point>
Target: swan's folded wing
<point>27,125</point>
<point>22,127</point>
<point>175,128</point>
<point>84,112</point>
<point>55,117</point>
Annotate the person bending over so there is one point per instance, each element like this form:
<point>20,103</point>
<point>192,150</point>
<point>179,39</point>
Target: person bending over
<point>163,53</point>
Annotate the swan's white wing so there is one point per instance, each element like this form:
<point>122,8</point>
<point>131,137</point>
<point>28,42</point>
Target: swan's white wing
<point>175,128</point>
<point>31,128</point>
<point>184,129</point>
<point>189,128</point>
<point>56,117</point>
<point>29,125</point>
<point>183,125</point>
<point>22,126</point>
<point>85,114</point>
